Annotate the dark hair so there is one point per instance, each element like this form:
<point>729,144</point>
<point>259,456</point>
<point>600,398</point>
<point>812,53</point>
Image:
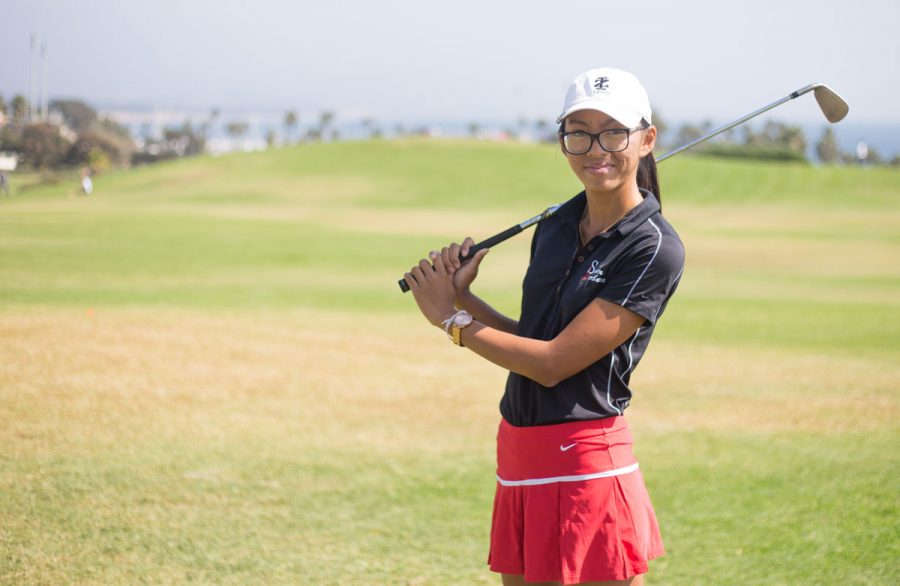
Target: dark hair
<point>647,177</point>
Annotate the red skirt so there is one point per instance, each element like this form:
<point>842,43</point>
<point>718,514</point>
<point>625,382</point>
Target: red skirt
<point>571,505</point>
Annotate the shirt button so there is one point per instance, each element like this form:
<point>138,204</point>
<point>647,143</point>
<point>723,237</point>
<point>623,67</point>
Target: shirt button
<point>590,247</point>
<point>580,259</point>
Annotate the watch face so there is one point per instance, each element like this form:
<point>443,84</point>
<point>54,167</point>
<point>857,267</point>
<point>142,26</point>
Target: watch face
<point>462,320</point>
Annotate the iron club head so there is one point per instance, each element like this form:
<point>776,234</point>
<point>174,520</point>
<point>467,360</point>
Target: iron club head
<point>833,106</point>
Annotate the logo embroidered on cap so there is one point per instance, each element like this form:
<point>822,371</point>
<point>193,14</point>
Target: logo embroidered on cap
<point>601,84</point>
<point>594,274</point>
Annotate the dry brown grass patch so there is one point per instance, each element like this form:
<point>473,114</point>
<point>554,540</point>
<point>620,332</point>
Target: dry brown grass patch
<point>74,382</point>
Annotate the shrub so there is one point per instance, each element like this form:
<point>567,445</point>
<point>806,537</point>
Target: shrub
<point>116,147</point>
<point>764,153</point>
<point>43,146</point>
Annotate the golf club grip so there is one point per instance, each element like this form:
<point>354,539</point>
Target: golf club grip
<point>492,241</point>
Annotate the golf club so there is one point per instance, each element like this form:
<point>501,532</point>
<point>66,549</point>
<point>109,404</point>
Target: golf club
<point>832,105</point>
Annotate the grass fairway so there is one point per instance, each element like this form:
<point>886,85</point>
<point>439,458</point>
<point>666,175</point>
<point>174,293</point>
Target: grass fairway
<point>209,374</point>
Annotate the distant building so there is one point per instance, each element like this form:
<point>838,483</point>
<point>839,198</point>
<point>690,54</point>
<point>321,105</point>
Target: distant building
<point>8,161</point>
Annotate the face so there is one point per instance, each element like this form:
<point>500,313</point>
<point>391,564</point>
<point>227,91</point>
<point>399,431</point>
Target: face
<point>601,171</point>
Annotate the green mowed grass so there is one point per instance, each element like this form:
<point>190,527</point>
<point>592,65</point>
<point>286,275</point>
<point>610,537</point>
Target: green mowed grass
<point>210,374</point>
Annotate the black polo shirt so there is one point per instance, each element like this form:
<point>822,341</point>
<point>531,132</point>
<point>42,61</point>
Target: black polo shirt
<point>637,264</point>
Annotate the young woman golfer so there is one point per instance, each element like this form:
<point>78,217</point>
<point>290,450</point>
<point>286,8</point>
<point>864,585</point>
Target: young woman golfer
<point>571,506</point>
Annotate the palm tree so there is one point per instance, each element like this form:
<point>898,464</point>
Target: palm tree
<point>290,123</point>
<point>793,138</point>
<point>19,106</point>
<point>213,116</point>
<point>827,148</point>
<point>325,119</point>
<point>236,130</point>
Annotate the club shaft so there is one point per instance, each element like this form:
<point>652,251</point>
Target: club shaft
<point>737,122</point>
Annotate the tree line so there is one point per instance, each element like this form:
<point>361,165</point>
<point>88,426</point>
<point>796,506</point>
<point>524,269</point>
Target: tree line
<point>76,135</point>
<point>775,141</point>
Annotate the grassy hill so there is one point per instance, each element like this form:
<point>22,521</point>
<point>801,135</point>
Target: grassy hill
<point>210,374</point>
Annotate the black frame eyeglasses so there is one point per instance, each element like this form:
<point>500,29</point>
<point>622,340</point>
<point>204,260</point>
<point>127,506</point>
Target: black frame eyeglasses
<point>609,140</point>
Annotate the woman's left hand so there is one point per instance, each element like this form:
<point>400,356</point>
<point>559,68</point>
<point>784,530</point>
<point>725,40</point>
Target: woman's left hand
<point>433,288</point>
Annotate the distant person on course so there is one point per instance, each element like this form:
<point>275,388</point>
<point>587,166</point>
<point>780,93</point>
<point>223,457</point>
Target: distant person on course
<point>571,506</point>
<point>87,186</point>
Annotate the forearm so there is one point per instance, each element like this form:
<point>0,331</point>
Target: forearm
<point>595,332</point>
<point>486,314</point>
<point>526,356</point>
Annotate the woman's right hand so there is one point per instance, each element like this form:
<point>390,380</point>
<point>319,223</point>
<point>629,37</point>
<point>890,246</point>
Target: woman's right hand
<point>463,273</point>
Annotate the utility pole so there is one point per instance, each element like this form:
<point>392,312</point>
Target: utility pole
<point>44,116</point>
<point>29,110</point>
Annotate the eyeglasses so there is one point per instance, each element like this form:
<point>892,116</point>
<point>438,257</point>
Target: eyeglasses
<point>613,140</point>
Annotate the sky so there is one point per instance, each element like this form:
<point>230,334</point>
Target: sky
<point>463,60</point>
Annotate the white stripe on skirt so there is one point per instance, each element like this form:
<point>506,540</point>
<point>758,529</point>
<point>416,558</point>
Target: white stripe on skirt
<point>551,480</point>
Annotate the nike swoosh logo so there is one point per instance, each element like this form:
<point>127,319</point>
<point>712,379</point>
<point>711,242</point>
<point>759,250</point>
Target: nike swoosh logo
<point>566,448</point>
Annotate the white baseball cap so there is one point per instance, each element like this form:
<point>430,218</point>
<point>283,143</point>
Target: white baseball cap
<point>614,92</point>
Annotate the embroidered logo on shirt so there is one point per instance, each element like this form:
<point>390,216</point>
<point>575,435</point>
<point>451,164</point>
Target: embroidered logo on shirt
<point>594,273</point>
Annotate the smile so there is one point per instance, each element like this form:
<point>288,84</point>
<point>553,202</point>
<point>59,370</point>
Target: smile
<point>599,168</point>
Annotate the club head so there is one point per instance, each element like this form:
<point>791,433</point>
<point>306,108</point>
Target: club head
<point>833,106</point>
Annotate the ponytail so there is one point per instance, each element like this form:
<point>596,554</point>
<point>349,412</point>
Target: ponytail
<point>647,178</point>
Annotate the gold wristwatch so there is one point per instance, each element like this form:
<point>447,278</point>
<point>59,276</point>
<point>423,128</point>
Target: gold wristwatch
<point>456,323</point>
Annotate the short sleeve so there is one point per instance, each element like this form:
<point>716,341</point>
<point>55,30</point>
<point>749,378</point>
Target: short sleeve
<point>646,276</point>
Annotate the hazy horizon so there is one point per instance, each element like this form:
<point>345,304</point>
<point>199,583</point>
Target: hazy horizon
<point>472,61</point>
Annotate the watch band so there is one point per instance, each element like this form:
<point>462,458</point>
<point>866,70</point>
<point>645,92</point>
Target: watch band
<point>449,322</point>
<point>453,328</point>
<point>457,335</point>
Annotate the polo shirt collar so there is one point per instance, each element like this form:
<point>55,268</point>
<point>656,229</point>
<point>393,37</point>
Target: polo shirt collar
<point>571,211</point>
<point>639,213</point>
